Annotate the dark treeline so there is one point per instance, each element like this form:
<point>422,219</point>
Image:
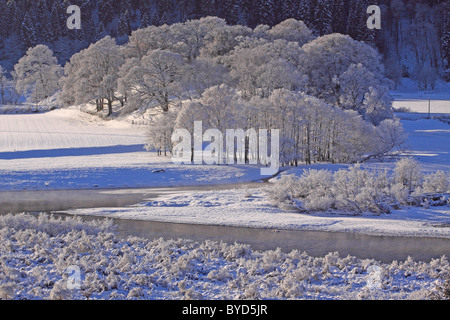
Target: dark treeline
<point>25,23</point>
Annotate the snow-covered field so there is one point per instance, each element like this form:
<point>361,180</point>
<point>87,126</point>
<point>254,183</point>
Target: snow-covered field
<point>69,149</point>
<point>427,142</point>
<point>46,258</point>
<point>436,101</point>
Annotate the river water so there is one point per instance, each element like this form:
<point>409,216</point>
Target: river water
<point>315,243</point>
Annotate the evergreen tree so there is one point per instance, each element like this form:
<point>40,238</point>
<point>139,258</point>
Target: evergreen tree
<point>106,11</point>
<point>208,7</point>
<point>55,21</point>
<point>28,33</point>
<point>229,11</point>
<point>145,20</point>
<point>265,12</point>
<point>146,8</point>
<point>156,21</point>
<point>322,17</point>
<point>445,40</point>
<point>340,9</point>
<point>4,21</point>
<point>305,12</point>
<point>124,27</point>
<point>41,10</point>
<point>15,18</point>
<point>357,21</point>
<point>289,9</point>
<point>46,33</point>
<point>165,8</point>
<point>100,32</point>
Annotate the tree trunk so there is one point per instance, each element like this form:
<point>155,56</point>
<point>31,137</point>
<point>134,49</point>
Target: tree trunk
<point>110,111</point>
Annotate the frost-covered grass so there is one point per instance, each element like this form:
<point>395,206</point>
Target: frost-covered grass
<point>36,252</point>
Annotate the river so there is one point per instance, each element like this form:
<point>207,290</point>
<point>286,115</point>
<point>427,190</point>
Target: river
<point>315,243</point>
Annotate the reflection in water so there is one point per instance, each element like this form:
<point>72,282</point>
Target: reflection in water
<point>315,243</point>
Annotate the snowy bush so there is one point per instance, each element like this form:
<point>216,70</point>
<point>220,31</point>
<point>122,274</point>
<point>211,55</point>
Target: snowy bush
<point>284,191</point>
<point>407,172</point>
<point>436,182</point>
<point>355,190</point>
<point>315,188</point>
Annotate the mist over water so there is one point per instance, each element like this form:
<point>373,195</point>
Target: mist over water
<point>315,243</point>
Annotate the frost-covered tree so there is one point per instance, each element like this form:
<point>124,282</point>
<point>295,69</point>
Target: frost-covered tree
<point>191,36</point>
<point>328,60</point>
<point>92,74</point>
<point>201,74</point>
<point>160,133</point>
<point>223,39</point>
<point>221,106</point>
<point>377,104</point>
<point>8,94</point>
<point>262,68</point>
<point>291,30</point>
<point>360,90</point>
<point>154,78</point>
<point>390,138</point>
<point>37,73</point>
<point>190,112</point>
<point>407,172</point>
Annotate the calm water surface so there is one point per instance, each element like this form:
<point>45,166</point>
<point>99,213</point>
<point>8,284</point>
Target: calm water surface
<point>315,243</point>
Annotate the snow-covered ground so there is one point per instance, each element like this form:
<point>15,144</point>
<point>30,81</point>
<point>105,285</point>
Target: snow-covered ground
<point>251,208</point>
<point>47,258</point>
<point>427,142</point>
<point>410,96</point>
<point>69,149</point>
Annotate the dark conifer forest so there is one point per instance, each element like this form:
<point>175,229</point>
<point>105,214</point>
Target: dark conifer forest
<point>414,37</point>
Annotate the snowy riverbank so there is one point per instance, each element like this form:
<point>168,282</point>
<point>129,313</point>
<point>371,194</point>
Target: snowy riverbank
<point>42,256</point>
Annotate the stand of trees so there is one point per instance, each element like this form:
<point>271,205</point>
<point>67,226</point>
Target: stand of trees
<point>421,27</point>
<point>328,95</point>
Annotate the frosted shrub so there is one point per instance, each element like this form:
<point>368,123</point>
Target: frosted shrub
<point>284,191</point>
<point>358,190</point>
<point>60,291</point>
<point>315,189</point>
<point>355,190</point>
<point>400,193</point>
<point>7,290</point>
<point>52,225</point>
<point>407,172</point>
<point>347,188</point>
<point>436,182</point>
<point>181,269</point>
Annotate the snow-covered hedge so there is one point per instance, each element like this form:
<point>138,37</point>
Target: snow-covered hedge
<point>37,256</point>
<point>356,190</point>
